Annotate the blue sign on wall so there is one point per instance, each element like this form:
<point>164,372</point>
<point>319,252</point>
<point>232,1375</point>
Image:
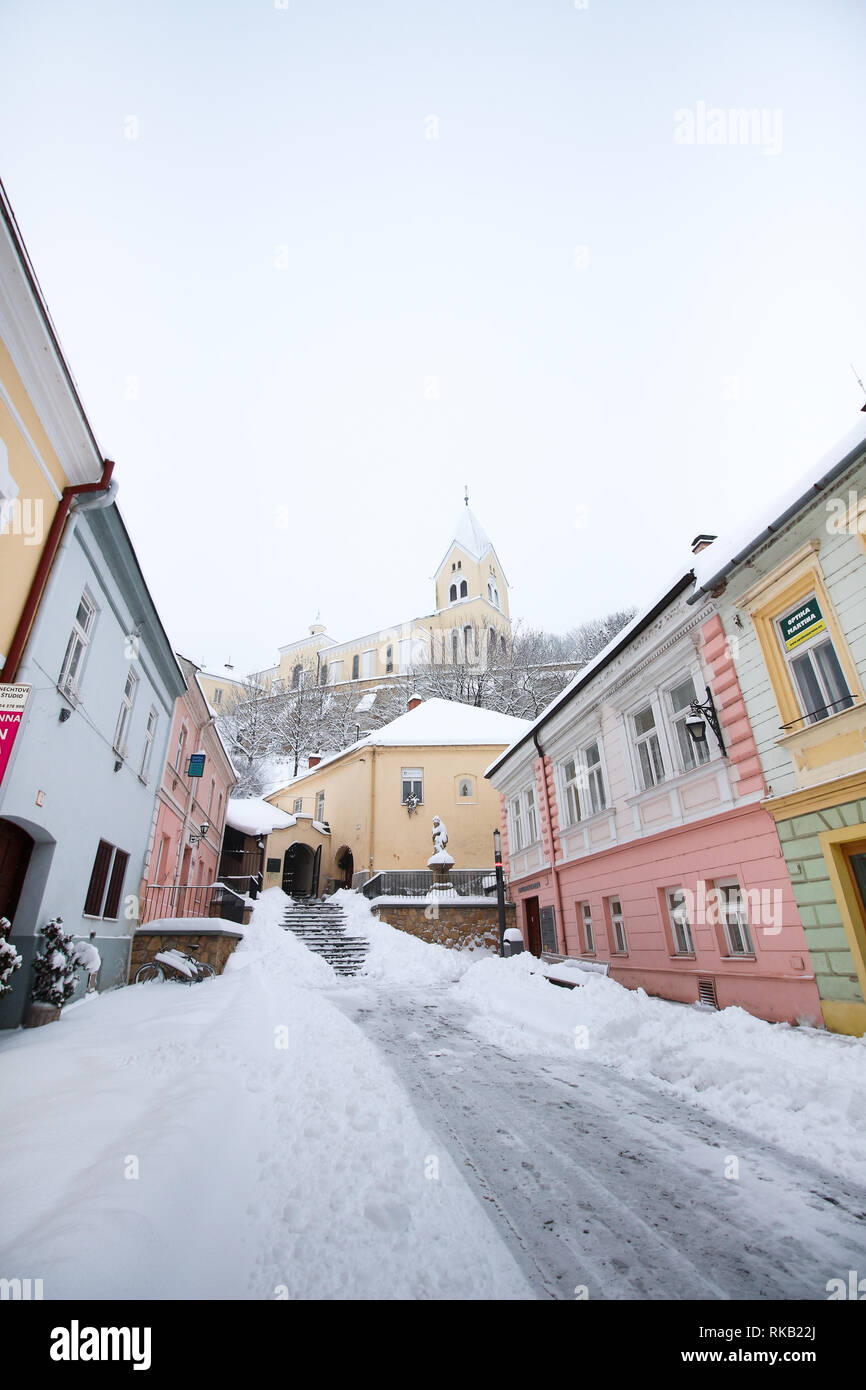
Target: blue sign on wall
<point>196,765</point>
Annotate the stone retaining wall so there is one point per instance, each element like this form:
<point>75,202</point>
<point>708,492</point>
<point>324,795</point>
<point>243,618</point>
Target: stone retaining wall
<point>449,924</point>
<point>213,945</point>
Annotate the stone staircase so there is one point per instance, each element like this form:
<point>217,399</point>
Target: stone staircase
<point>322,927</point>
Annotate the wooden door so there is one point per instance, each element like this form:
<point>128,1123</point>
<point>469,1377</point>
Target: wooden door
<point>15,849</point>
<point>533,926</point>
<point>317,864</point>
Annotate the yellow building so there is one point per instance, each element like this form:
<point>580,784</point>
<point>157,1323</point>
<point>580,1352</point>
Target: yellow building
<point>370,808</point>
<point>48,453</point>
<point>470,623</point>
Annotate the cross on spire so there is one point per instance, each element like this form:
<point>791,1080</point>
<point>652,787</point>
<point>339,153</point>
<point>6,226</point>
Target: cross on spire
<point>466,498</point>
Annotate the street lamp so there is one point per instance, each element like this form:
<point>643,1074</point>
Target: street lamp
<point>699,717</point>
<point>203,828</point>
<point>500,888</point>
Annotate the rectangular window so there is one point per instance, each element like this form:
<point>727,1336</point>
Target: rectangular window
<point>648,749</point>
<point>691,754</point>
<point>570,782</point>
<point>587,936</point>
<point>298,805</point>
<point>594,777</point>
<point>336,673</point>
<point>734,920</point>
<point>125,713</point>
<point>181,744</point>
<point>356,666</point>
<point>369,667</point>
<point>389,661</point>
<point>681,931</point>
<point>412,785</point>
<point>531,821</point>
<point>817,673</point>
<point>518,834</point>
<point>617,927</point>
<point>217,697</point>
<point>109,871</point>
<point>149,735</point>
<point>320,807</point>
<point>76,647</point>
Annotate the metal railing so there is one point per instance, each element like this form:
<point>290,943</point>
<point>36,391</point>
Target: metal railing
<point>416,883</point>
<point>191,900</point>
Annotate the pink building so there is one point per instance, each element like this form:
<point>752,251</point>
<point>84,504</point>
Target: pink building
<point>632,842</point>
<point>190,810</point>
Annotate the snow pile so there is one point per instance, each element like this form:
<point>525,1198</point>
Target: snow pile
<point>396,957</point>
<point>801,1088</point>
<point>240,1139</point>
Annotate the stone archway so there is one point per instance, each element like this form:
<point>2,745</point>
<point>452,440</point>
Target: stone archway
<point>298,870</point>
<point>346,865</point>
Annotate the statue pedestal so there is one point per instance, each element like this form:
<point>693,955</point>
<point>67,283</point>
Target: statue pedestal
<point>441,863</point>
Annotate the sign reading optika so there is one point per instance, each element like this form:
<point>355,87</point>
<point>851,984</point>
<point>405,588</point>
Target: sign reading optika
<point>13,701</point>
<point>805,622</point>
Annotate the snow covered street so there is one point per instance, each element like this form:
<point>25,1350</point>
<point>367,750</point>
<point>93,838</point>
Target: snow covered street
<point>442,1126</point>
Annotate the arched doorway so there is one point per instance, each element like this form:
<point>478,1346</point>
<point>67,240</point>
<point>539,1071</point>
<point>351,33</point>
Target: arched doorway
<point>346,865</point>
<point>300,870</point>
<point>15,849</point>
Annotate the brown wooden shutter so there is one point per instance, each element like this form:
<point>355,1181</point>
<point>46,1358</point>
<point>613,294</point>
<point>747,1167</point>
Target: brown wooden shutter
<point>115,887</point>
<point>96,887</point>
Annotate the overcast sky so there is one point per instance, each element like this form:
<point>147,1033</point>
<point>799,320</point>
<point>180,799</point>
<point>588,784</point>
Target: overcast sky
<point>317,267</point>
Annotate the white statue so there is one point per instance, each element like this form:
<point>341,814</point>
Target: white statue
<point>440,835</point>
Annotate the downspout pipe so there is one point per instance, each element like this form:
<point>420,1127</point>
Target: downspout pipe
<point>557,895</point>
<point>46,560</point>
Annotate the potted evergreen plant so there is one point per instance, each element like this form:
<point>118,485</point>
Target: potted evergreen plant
<point>54,976</point>
<point>10,958</point>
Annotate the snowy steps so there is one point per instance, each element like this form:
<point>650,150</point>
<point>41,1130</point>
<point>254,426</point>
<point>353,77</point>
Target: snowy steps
<point>322,928</point>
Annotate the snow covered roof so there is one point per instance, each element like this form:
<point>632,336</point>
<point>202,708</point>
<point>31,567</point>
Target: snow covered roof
<point>727,552</point>
<point>251,815</point>
<point>443,722</point>
<point>709,567</point>
<point>471,536</point>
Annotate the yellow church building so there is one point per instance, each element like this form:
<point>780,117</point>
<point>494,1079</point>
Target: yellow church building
<point>470,624</point>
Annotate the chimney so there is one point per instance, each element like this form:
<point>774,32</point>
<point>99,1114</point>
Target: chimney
<point>414,702</point>
<point>314,760</point>
<point>701,542</point>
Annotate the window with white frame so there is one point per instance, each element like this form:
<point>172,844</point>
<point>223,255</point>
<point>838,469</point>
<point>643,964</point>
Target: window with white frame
<point>570,787</point>
<point>816,670</point>
<point>493,593</point>
<point>678,915</point>
<point>217,697</point>
<point>617,927</point>
<point>76,647</point>
<point>149,736</point>
<point>594,778</point>
<point>584,917</point>
<point>518,831</point>
<point>125,712</point>
<point>369,663</point>
<point>734,919</point>
<point>464,589</point>
<point>648,748</point>
<point>298,805</point>
<point>320,807</point>
<point>181,744</point>
<point>531,819</point>
<point>466,788</point>
<point>336,672</point>
<point>412,785</point>
<point>691,754</point>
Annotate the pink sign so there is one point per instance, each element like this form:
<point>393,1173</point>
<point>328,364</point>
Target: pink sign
<point>13,699</point>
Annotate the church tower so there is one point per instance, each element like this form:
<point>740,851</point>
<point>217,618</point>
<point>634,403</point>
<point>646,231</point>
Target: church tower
<point>472,621</point>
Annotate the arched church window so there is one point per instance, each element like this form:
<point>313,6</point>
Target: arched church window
<point>389,660</point>
<point>452,593</point>
<point>296,677</point>
<point>356,666</point>
<point>455,647</point>
<point>493,593</point>
<point>502,645</point>
<point>464,589</point>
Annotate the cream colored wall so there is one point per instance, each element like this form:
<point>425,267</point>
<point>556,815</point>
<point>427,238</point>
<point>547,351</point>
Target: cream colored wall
<point>364,811</point>
<point>476,573</point>
<point>230,689</point>
<point>20,552</point>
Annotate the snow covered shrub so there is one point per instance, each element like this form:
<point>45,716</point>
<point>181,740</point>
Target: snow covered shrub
<point>10,959</point>
<point>54,969</point>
